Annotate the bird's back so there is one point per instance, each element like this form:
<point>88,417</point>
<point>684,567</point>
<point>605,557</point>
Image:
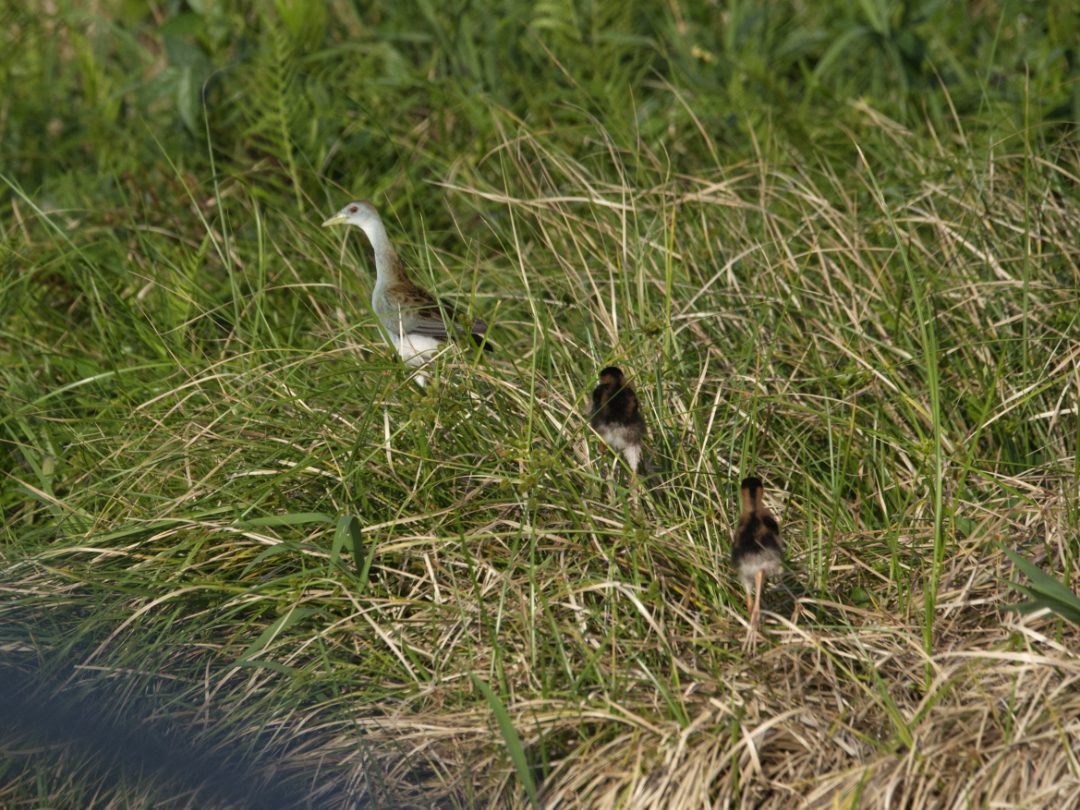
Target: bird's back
<point>756,544</point>
<point>757,533</point>
<point>618,406</point>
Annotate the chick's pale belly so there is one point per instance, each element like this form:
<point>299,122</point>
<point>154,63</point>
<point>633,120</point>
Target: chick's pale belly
<point>620,437</point>
<point>766,560</point>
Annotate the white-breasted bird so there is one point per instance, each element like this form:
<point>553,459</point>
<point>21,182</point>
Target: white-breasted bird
<point>616,416</point>
<point>756,550</point>
<point>415,322</point>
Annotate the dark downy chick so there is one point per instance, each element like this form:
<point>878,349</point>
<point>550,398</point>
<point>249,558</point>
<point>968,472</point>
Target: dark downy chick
<point>756,551</point>
<point>616,416</point>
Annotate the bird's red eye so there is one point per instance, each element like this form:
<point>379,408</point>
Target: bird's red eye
<point>353,209</point>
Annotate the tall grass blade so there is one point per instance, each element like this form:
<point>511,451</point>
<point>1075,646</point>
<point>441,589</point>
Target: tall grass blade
<point>511,738</point>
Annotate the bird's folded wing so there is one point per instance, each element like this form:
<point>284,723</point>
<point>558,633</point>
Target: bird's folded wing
<point>429,320</point>
<point>421,313</point>
<point>425,322</point>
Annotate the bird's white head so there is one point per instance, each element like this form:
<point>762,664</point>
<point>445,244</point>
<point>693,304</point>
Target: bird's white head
<point>362,214</point>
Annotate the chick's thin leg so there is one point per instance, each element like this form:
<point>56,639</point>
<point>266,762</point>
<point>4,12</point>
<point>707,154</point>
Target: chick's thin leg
<point>759,583</point>
<point>750,644</point>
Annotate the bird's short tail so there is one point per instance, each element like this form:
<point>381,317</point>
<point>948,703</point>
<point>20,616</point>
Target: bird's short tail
<point>478,332</point>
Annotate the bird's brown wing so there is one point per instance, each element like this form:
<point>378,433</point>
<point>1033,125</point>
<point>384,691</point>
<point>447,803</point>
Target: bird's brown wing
<point>418,310</point>
<point>423,314</point>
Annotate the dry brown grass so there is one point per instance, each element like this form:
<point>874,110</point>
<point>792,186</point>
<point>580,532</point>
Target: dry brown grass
<point>808,723</point>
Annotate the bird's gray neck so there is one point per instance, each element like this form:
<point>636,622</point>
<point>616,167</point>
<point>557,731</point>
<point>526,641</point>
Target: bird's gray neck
<point>386,261</point>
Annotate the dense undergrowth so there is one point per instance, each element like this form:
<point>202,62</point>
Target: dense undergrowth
<point>833,244</point>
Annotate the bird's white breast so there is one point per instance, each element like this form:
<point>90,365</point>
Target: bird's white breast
<point>415,349</point>
<point>618,437</point>
<point>766,559</point>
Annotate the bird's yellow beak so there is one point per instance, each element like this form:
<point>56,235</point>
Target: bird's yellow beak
<point>336,219</point>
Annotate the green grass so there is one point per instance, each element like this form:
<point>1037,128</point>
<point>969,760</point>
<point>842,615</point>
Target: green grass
<point>834,245</point>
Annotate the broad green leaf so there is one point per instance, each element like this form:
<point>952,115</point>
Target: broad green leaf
<point>1044,591</point>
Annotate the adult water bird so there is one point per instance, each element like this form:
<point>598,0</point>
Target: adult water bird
<point>756,551</point>
<point>414,321</point>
